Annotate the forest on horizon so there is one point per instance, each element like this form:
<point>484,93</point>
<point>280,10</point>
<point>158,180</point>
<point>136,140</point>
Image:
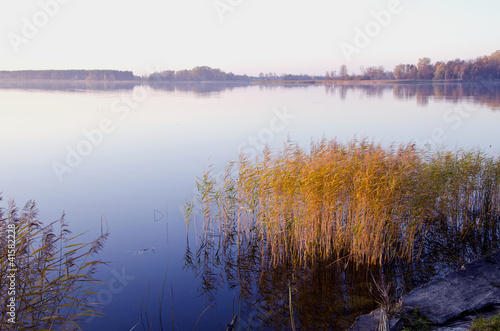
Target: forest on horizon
<point>481,68</point>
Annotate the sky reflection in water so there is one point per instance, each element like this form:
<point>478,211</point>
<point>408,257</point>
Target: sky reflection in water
<point>141,172</point>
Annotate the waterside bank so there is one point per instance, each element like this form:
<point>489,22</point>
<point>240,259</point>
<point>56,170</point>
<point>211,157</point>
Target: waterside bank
<point>448,303</point>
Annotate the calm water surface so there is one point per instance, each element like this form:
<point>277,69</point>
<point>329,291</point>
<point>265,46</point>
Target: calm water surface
<point>131,154</point>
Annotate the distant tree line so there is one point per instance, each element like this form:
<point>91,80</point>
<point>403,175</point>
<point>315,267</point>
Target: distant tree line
<point>369,73</point>
<point>484,67</point>
<point>274,76</point>
<point>197,74</point>
<point>99,75</point>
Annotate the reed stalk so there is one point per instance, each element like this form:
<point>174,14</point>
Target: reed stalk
<point>355,200</point>
<point>53,271</point>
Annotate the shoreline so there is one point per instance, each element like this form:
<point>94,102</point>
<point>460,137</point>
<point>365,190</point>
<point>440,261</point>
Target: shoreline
<point>269,82</point>
<point>372,82</point>
<point>138,81</point>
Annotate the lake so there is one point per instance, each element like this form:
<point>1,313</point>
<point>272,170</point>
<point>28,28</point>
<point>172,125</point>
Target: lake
<point>130,154</point>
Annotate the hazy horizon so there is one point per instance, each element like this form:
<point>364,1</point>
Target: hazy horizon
<point>222,69</point>
<point>240,36</point>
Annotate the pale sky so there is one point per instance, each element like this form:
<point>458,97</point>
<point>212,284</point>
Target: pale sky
<point>242,36</point>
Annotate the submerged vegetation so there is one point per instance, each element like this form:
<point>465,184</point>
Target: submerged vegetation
<point>48,273</point>
<point>301,233</point>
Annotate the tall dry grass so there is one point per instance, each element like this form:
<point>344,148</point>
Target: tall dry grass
<point>358,200</point>
<point>53,271</point>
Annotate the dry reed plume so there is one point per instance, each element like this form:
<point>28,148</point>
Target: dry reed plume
<point>355,200</point>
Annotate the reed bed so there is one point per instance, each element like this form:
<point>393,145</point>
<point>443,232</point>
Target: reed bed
<point>357,201</point>
<point>52,272</point>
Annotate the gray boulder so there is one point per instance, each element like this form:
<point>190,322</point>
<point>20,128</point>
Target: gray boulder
<point>370,322</point>
<point>447,301</point>
<point>472,288</point>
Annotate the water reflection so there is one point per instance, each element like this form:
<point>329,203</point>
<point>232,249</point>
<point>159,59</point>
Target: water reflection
<point>137,168</point>
<point>68,86</point>
<point>482,93</point>
<point>198,89</point>
<point>326,294</point>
